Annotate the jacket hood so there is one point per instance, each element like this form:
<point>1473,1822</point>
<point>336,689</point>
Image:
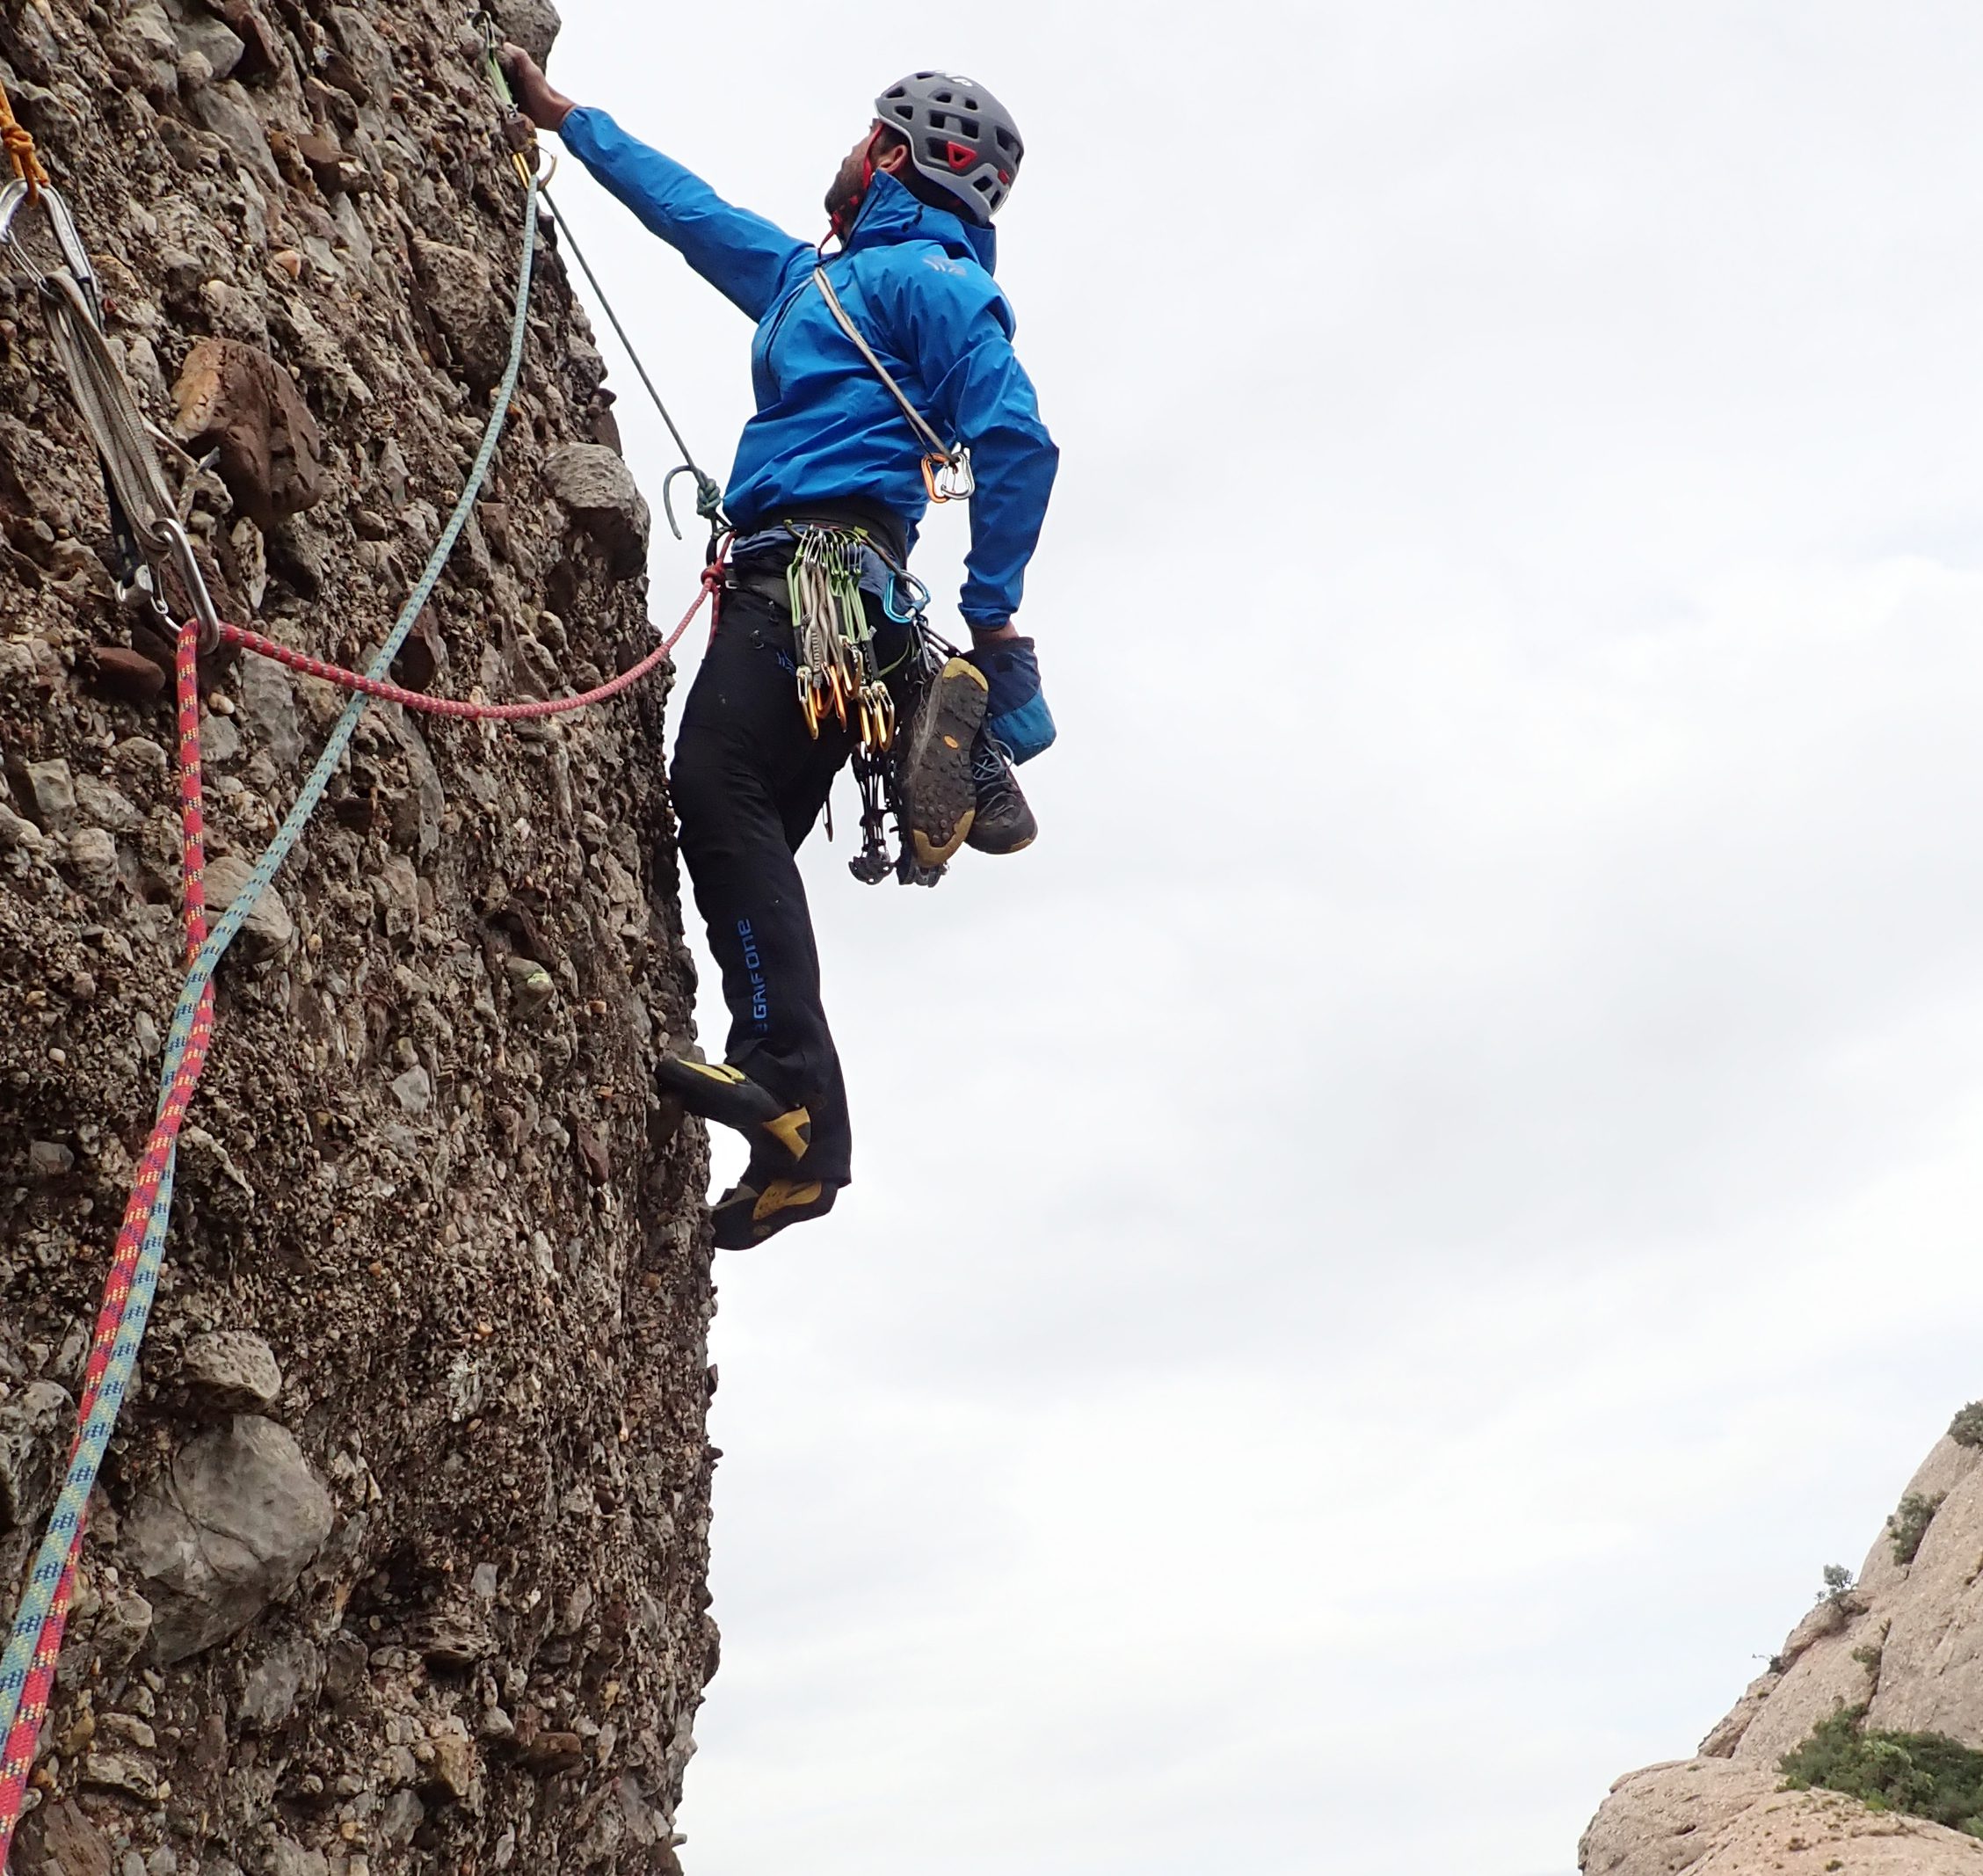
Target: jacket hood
<point>891,214</point>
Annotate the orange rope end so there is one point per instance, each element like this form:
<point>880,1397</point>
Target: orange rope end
<point>19,142</point>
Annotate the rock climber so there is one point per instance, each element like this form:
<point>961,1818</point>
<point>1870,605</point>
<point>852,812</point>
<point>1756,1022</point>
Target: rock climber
<point>907,341</point>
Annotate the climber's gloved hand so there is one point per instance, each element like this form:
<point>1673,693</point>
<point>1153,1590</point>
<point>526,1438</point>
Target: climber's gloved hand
<point>1015,711</point>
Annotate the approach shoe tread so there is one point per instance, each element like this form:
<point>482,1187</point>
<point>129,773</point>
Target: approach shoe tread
<point>939,796</point>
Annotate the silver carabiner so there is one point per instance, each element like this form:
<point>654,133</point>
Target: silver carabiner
<point>195,583</point>
<point>76,256</point>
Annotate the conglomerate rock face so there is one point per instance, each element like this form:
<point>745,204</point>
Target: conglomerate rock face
<point>398,1560</point>
<point>1905,1646</point>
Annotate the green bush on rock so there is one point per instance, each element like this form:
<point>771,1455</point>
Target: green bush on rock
<point>1923,1774</point>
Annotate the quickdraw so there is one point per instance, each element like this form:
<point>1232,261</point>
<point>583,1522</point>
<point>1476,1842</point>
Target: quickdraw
<point>838,673</point>
<point>73,301</point>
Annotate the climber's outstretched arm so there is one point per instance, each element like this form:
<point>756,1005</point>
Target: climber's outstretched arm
<point>744,257</point>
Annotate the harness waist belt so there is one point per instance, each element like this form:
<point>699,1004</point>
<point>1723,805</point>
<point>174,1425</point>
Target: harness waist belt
<point>883,527</point>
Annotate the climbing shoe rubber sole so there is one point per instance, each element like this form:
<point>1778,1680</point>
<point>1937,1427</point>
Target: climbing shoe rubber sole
<point>939,797</point>
<point>728,1096</point>
<point>750,1212</point>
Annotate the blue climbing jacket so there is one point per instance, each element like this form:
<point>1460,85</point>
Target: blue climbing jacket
<point>918,282</point>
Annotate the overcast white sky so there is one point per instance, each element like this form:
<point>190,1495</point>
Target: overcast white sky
<point>1392,1246</point>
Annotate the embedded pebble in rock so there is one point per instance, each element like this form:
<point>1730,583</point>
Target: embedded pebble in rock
<point>33,1427</point>
<point>288,1858</point>
<point>236,400</point>
<point>226,1530</point>
<point>268,930</point>
<point>123,1773</point>
<point>92,853</point>
<point>406,1170</point>
<point>219,742</point>
<point>52,789</point>
<point>268,709</point>
<point>230,1371</point>
<point>210,39</point>
<point>15,831</point>
<point>532,23</point>
<point>104,806</point>
<point>291,1670</point>
<point>128,675</point>
<point>592,482</point>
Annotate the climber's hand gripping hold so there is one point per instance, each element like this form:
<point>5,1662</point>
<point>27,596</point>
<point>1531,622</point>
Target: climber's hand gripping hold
<point>545,108</point>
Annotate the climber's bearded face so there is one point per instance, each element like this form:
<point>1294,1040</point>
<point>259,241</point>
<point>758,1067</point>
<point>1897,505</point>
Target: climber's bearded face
<point>881,149</point>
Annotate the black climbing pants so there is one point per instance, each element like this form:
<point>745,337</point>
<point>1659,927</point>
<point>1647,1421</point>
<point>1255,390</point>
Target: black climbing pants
<point>749,781</point>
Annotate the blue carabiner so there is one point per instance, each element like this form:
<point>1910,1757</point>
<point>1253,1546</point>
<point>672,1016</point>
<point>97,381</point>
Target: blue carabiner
<point>918,604</point>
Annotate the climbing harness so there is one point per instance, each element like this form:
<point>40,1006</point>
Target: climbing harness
<point>947,467</point>
<point>708,495</point>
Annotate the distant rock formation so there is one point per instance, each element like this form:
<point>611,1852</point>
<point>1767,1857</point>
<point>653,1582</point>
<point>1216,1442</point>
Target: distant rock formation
<point>1903,1648</point>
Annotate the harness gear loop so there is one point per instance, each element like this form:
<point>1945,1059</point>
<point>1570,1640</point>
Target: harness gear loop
<point>947,467</point>
<point>18,142</point>
<point>834,643</point>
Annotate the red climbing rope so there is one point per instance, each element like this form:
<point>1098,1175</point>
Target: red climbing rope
<point>17,1752</point>
<point>413,699</point>
<point>109,1356</point>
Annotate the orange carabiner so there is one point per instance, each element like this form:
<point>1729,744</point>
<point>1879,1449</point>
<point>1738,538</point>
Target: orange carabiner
<point>949,478</point>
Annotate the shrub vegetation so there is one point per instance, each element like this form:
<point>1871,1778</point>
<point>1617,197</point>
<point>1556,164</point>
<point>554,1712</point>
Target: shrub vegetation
<point>1923,1774</point>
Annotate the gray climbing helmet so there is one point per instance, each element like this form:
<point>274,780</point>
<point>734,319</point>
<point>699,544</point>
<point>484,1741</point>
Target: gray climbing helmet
<point>960,138</point>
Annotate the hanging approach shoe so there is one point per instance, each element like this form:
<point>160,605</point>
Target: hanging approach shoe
<point>757,1206</point>
<point>729,1097</point>
<point>1003,822</point>
<point>938,798</point>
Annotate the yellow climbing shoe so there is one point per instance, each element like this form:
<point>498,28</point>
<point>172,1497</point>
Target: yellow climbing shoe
<point>750,1211</point>
<point>727,1096</point>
